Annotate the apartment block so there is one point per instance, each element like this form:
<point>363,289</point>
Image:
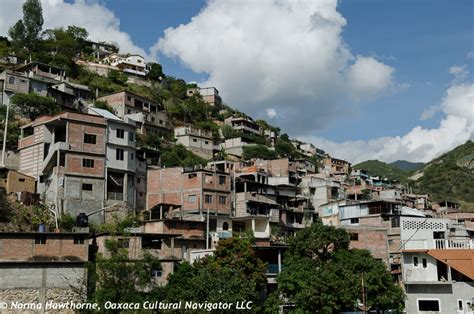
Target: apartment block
<point>126,170</point>
<point>197,191</point>
<point>130,64</point>
<point>66,154</point>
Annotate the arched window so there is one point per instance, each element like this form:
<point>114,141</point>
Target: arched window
<point>225,226</point>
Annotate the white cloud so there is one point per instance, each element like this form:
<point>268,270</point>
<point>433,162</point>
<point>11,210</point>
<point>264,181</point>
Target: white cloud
<point>287,55</point>
<point>100,22</point>
<point>429,112</point>
<point>460,73</point>
<point>271,113</point>
<point>419,144</point>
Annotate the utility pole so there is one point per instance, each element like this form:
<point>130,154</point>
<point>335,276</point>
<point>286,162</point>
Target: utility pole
<point>207,229</point>
<point>5,134</point>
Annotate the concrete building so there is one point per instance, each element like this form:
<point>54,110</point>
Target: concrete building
<point>125,170</point>
<point>42,267</point>
<point>438,269</point>
<point>66,155</point>
<point>245,125</point>
<point>235,146</point>
<point>149,115</point>
<point>210,95</point>
<point>197,140</point>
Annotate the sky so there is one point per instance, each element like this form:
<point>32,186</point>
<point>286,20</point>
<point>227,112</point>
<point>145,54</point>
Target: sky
<point>364,79</point>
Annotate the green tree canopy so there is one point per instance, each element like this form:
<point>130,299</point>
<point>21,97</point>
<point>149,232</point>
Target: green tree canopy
<point>178,155</point>
<point>156,72</point>
<point>32,105</point>
<point>119,279</point>
<point>26,33</point>
<point>259,151</point>
<point>232,274</point>
<point>322,274</point>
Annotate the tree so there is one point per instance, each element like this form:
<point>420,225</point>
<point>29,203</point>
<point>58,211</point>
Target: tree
<point>119,279</point>
<point>232,274</point>
<point>26,32</point>
<point>259,151</point>
<point>228,132</point>
<point>322,274</point>
<point>178,155</point>
<point>156,72</point>
<point>32,105</point>
<point>101,104</point>
<point>285,148</point>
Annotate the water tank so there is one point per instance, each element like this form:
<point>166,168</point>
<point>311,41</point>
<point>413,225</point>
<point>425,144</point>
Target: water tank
<point>82,220</point>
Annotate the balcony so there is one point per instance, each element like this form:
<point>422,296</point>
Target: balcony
<point>439,244</point>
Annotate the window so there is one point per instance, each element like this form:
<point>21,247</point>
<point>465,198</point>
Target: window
<point>86,187</point>
<point>208,198</point>
<point>460,305</point>
<point>131,136</point>
<point>192,175</point>
<point>11,80</point>
<point>192,198</point>
<point>225,226</point>
<point>120,133</point>
<point>138,180</point>
<point>79,240</point>
<point>206,142</point>
<point>21,179</point>
<point>354,236</point>
<point>90,138</point>
<point>131,156</point>
<point>222,200</point>
<point>195,140</point>
<point>123,243</point>
<point>88,163</point>
<point>40,239</point>
<point>428,305</point>
<point>119,154</point>
<point>354,220</point>
<point>156,273</point>
<point>193,226</point>
<point>222,180</point>
<point>149,242</point>
<point>424,262</point>
<point>415,261</point>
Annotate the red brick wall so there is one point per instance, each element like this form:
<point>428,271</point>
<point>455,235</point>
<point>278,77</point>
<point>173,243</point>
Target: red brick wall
<point>74,165</point>
<point>76,133</point>
<point>23,247</point>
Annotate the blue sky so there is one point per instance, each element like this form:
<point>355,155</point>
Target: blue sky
<point>353,77</point>
<point>422,39</point>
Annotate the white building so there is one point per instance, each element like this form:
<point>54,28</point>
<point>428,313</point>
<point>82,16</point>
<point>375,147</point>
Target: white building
<point>132,64</point>
<point>125,171</point>
<point>437,266</point>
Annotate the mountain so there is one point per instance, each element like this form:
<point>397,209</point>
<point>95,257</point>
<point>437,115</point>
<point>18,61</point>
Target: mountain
<point>382,169</point>
<point>407,165</point>
<point>449,177</point>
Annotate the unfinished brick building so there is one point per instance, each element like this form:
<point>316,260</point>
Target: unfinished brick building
<point>66,155</point>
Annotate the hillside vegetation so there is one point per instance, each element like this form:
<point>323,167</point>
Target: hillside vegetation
<point>384,170</point>
<point>450,176</point>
